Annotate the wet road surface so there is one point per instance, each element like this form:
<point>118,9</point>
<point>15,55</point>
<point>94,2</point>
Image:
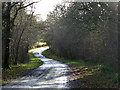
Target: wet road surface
<point>52,74</point>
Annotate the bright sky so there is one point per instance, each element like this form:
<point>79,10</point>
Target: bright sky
<point>44,7</point>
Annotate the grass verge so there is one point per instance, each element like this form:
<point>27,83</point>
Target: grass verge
<point>20,69</point>
<point>92,74</point>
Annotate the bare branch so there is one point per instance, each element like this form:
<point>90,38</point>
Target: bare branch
<point>13,4</point>
<point>28,5</point>
<point>21,7</point>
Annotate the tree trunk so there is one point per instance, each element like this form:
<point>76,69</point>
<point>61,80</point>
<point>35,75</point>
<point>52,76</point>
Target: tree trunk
<point>17,47</point>
<point>6,36</point>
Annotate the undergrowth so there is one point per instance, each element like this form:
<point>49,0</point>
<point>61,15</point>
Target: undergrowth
<point>18,70</point>
<point>94,74</point>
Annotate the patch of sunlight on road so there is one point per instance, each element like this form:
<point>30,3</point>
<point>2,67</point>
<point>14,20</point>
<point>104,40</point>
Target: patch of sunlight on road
<point>38,49</point>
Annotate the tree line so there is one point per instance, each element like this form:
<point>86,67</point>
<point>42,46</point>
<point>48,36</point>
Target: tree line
<point>20,31</point>
<point>86,30</point>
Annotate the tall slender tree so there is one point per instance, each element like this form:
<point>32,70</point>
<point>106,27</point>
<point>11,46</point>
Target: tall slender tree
<point>8,24</point>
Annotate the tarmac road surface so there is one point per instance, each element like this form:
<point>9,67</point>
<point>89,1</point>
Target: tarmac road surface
<point>52,74</point>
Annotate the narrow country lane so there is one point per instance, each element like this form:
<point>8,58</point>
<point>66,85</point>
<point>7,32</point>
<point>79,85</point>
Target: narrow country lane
<point>52,74</point>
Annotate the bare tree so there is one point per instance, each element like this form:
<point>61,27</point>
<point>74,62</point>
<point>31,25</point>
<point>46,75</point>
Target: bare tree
<point>8,24</point>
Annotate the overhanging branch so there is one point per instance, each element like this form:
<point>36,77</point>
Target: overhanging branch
<point>17,10</point>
